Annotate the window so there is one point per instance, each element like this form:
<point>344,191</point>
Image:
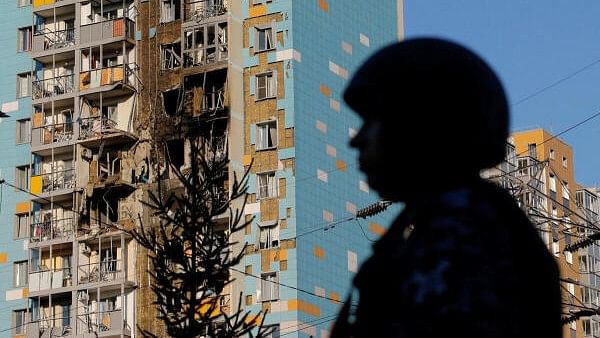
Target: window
<point>556,249</point>
<point>266,86</point>
<point>20,274</point>
<point>587,328</point>
<point>19,321</point>
<point>23,131</point>
<point>269,286</point>
<point>268,236</point>
<point>24,39</point>
<point>552,183</point>
<point>23,85</point>
<point>22,177</point>
<point>532,150</point>
<point>272,331</point>
<point>267,135</point>
<point>170,56</point>
<point>569,257</point>
<point>21,226</point>
<point>564,162</point>
<point>170,10</point>
<point>267,185</point>
<point>23,3</point>
<point>264,38</point>
<point>565,190</point>
<point>552,154</point>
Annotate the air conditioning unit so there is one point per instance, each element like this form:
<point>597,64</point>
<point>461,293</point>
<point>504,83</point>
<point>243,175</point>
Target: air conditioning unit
<point>84,249</point>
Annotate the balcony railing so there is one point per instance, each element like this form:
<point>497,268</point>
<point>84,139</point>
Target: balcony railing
<point>95,126</point>
<point>58,180</point>
<point>126,74</point>
<point>58,132</point>
<point>39,3</point>
<point>50,327</point>
<point>105,271</point>
<point>48,39</point>
<point>50,279</point>
<point>100,321</point>
<point>199,10</point>
<point>52,87</point>
<point>54,229</point>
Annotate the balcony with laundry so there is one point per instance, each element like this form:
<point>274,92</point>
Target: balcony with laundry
<point>52,176</point>
<point>53,128</point>
<point>108,67</point>
<point>52,316</point>
<point>104,313</point>
<point>51,269</point>
<point>53,77</point>
<point>51,224</point>
<point>105,21</point>
<point>106,118</point>
<point>54,30</point>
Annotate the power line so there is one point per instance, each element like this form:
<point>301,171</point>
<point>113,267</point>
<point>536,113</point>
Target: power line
<point>556,83</point>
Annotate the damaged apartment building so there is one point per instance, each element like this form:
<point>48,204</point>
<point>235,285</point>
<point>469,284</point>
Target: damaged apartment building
<point>121,88</point>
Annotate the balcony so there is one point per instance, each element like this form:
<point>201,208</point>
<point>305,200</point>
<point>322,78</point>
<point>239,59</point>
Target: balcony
<point>107,31</point>
<point>50,279</point>
<point>125,74</point>
<point>102,324</point>
<point>48,327</point>
<point>49,40</point>
<point>201,10</point>
<point>92,130</point>
<point>205,44</point>
<point>51,87</point>
<point>109,270</point>
<point>53,181</point>
<point>41,3</point>
<point>53,229</point>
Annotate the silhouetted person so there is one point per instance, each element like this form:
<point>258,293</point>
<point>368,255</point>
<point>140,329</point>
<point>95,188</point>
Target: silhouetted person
<point>435,114</point>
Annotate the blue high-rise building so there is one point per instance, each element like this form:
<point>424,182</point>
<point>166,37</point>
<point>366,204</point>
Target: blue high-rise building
<point>15,101</point>
<point>305,246</point>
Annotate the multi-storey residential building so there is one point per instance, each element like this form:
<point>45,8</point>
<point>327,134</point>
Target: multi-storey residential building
<point>15,100</point>
<point>120,86</point>
<point>588,208</point>
<point>84,95</point>
<point>538,171</point>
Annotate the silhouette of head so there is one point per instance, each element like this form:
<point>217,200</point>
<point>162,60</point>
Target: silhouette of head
<point>434,114</point>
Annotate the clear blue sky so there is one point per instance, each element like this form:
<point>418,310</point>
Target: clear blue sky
<point>531,44</point>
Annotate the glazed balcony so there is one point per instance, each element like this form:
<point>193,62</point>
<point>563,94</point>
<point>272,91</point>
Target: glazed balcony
<point>108,31</point>
<point>50,279</point>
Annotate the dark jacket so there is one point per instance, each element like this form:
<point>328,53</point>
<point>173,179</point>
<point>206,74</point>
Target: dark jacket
<point>474,266</point>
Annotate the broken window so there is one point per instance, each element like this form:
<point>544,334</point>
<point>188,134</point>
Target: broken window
<point>170,10</point>
<point>267,135</point>
<point>175,152</point>
<point>170,56</point>
<point>265,85</point>
<point>265,39</point>
<point>205,44</point>
<point>172,101</point>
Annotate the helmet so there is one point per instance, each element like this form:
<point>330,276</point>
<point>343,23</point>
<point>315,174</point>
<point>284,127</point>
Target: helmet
<point>439,90</point>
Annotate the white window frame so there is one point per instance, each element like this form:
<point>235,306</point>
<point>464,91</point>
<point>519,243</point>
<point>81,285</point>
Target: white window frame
<point>22,139</point>
<point>23,90</point>
<point>20,274</point>
<point>267,90</point>
<point>565,162</point>
<point>24,3</point>
<point>267,185</point>
<point>24,39</point>
<point>19,329</point>
<point>168,11</point>
<point>265,36</point>
<point>21,226</point>
<point>22,177</point>
<point>268,235</point>
<point>269,286</point>
<point>264,133</point>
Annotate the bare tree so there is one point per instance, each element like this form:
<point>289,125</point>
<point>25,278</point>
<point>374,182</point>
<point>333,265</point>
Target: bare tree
<point>191,249</point>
